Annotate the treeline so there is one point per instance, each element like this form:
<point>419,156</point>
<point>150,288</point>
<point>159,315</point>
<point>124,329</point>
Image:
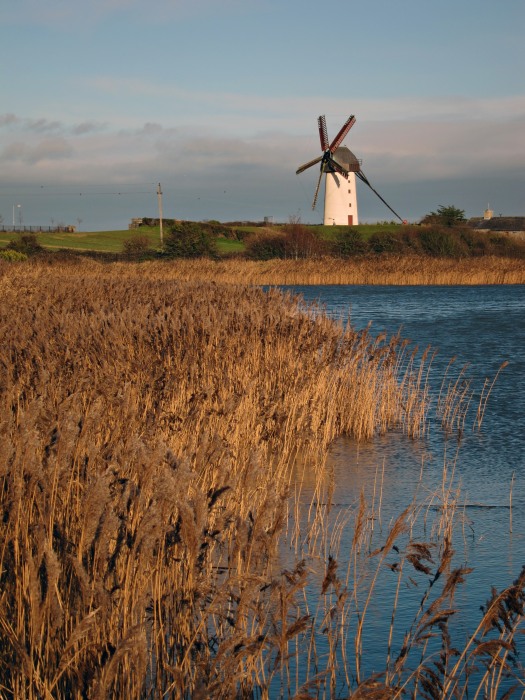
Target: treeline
<point>297,241</point>
<point>294,241</point>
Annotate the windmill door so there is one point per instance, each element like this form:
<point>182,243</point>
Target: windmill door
<point>350,220</point>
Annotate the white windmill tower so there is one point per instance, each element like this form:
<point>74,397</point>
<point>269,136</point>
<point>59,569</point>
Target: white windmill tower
<point>341,167</point>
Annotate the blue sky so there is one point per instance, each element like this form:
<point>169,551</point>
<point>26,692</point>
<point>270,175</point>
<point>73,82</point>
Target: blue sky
<point>218,100</point>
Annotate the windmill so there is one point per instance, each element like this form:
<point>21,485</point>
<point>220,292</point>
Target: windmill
<point>341,167</point>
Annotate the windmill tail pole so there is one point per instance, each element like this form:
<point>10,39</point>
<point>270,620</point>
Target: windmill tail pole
<point>360,174</point>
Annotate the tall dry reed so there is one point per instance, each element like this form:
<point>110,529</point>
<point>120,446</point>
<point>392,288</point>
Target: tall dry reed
<point>382,270</point>
<point>149,430</point>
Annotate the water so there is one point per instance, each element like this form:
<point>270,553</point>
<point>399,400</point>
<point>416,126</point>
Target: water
<point>482,327</point>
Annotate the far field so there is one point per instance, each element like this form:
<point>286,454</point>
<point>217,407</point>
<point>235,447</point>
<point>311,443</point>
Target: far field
<point>113,241</point>
<point>494,260</point>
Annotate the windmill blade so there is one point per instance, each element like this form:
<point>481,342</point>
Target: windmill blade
<point>364,179</point>
<point>323,133</point>
<point>317,189</point>
<point>338,168</point>
<point>308,165</point>
<point>343,131</point>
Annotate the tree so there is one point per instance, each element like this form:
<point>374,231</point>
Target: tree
<point>26,243</point>
<point>349,242</point>
<point>445,216</point>
<point>136,247</point>
<point>187,239</point>
<point>300,241</point>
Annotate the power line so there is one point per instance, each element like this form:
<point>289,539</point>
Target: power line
<point>49,191</point>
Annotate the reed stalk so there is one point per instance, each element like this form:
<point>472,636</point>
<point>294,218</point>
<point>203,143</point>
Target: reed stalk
<point>381,270</point>
<point>151,429</point>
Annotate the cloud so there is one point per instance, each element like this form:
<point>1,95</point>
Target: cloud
<point>413,141</point>
<point>87,127</point>
<point>430,150</point>
<point>246,113</point>
<point>43,125</point>
<point>28,126</point>
<point>46,150</point>
<point>8,119</point>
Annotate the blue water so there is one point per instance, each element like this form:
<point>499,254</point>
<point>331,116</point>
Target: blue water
<point>481,327</point>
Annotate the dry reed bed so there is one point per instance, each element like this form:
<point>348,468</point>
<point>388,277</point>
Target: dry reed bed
<point>148,433</point>
<point>384,270</point>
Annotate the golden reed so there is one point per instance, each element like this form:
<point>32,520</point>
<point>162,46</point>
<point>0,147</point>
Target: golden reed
<point>383,270</point>
<point>149,431</point>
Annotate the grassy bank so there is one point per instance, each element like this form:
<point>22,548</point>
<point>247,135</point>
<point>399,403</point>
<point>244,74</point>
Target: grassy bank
<point>150,430</point>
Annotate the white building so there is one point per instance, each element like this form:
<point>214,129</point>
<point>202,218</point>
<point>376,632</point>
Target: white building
<point>340,199</point>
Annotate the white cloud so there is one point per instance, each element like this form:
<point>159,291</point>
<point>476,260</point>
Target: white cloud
<point>399,141</point>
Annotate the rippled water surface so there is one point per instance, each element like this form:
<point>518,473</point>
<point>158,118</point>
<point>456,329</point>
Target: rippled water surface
<point>482,327</point>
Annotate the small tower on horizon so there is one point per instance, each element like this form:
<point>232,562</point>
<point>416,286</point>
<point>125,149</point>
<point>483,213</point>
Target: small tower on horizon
<point>488,213</point>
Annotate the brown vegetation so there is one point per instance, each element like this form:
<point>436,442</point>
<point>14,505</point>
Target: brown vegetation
<point>398,270</point>
<point>149,428</point>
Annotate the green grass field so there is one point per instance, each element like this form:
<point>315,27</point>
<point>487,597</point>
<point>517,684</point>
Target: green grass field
<point>103,241</point>
<point>113,241</point>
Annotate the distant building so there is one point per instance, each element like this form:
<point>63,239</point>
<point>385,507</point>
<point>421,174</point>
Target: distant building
<point>500,224</point>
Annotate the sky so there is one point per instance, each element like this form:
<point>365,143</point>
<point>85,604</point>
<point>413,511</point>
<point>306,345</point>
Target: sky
<point>217,100</point>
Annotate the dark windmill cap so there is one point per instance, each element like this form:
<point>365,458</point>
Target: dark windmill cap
<point>347,160</point>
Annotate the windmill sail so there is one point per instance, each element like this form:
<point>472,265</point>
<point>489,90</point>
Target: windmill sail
<point>343,131</point>
<point>323,133</point>
<point>304,167</point>
<point>340,202</point>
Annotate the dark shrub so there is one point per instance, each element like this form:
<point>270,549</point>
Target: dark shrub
<point>505,245</point>
<point>386,242</point>
<point>442,242</point>
<point>409,236</point>
<point>215,229</point>
<point>187,239</point>
<point>301,242</point>
<point>136,247</point>
<point>265,245</point>
<point>476,243</point>
<point>26,243</point>
<point>348,243</point>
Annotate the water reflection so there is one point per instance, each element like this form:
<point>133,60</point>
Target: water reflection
<point>482,327</point>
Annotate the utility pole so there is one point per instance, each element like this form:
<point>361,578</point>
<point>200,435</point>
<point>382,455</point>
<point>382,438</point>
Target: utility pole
<point>159,197</point>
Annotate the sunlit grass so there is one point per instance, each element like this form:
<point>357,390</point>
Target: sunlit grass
<point>101,241</point>
<point>112,241</point>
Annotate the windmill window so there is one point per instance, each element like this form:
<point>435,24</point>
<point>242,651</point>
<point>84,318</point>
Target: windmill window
<point>350,204</point>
